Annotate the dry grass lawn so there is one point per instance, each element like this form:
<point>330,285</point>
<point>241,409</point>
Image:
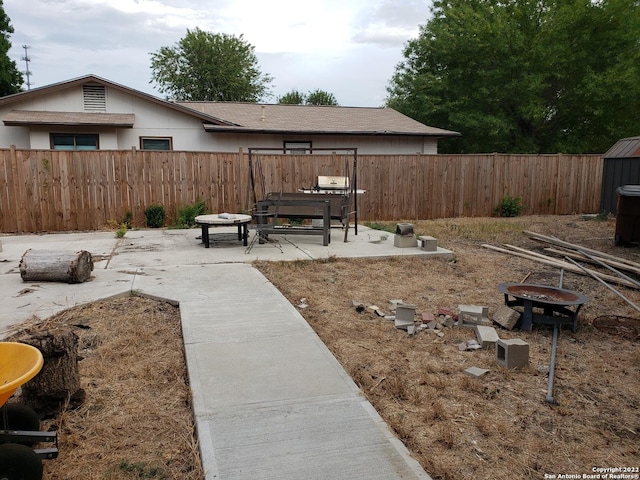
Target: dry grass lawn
<point>137,423</point>
<point>497,426</point>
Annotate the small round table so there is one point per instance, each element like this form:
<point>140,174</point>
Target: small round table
<point>224,220</point>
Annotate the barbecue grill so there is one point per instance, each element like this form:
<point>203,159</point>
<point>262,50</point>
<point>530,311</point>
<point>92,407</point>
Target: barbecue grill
<point>544,304</point>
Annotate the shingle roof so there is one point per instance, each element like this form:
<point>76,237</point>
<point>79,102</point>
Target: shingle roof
<point>253,117</point>
<point>625,148</point>
<point>26,117</point>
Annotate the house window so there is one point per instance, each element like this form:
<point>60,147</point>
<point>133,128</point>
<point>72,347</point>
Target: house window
<point>74,141</point>
<point>156,143</point>
<point>297,147</point>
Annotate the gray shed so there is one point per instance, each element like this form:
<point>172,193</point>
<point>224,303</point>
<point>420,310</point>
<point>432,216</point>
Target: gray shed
<point>621,166</point>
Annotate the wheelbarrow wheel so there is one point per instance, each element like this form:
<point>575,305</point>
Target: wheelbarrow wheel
<point>19,462</point>
<point>14,416</point>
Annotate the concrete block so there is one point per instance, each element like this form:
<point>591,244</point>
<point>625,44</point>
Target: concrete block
<point>472,315</point>
<point>393,304</point>
<point>506,317</point>
<point>513,353</point>
<point>428,244</point>
<point>405,315</point>
<point>487,336</point>
<point>404,241</point>
<point>475,371</point>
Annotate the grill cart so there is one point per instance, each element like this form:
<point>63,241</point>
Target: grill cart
<point>19,424</point>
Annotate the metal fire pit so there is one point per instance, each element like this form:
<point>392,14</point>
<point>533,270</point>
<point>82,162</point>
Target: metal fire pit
<point>543,304</point>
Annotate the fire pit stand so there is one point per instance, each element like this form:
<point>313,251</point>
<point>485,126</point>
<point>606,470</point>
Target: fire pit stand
<point>543,304</point>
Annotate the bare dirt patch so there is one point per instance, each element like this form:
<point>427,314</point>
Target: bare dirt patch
<point>497,426</point>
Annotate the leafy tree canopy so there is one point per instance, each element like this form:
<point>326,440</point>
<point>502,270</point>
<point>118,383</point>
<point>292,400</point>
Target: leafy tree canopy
<point>535,76</point>
<point>205,66</point>
<point>315,97</point>
<point>10,77</point>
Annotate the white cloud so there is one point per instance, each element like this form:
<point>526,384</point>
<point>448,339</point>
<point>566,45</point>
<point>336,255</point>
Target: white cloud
<point>347,47</point>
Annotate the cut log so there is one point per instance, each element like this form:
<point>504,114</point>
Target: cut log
<point>56,266</point>
<point>57,386</point>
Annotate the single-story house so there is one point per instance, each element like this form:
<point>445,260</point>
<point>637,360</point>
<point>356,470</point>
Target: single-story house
<point>90,113</point>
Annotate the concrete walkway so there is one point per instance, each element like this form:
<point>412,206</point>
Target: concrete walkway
<point>270,400</point>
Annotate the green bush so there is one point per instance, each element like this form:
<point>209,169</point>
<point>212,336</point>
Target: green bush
<point>187,214</point>
<point>155,215</point>
<point>509,207</point>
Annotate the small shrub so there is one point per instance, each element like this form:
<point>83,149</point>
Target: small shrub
<point>187,214</point>
<point>155,215</point>
<point>122,231</point>
<point>127,220</point>
<point>509,207</point>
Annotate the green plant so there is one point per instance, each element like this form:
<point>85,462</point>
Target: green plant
<point>155,215</point>
<point>187,214</point>
<point>122,231</point>
<point>509,207</point>
<point>127,219</point>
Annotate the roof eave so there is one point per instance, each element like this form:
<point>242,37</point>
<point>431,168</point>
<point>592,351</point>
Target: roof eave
<point>16,123</point>
<point>266,131</point>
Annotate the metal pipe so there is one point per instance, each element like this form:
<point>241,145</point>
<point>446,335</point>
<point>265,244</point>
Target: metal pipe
<point>595,277</point>
<point>552,366</point>
<point>554,347</point>
<point>617,272</point>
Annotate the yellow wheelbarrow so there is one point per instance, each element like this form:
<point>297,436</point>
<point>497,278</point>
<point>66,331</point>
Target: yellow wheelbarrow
<point>20,425</point>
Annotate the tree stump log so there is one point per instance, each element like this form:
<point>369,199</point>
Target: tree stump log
<point>57,386</point>
<point>56,266</point>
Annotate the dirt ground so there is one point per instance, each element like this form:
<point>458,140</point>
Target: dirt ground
<point>137,422</point>
<point>498,426</point>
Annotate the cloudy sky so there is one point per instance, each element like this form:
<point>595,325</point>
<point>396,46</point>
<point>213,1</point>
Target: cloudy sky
<point>347,47</point>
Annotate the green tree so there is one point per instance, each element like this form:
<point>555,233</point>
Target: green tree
<point>10,77</point>
<point>320,97</point>
<point>205,66</point>
<point>315,97</point>
<point>536,76</point>
<point>294,97</point>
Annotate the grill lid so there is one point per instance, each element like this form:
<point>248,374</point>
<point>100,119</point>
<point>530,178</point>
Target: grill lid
<point>333,182</point>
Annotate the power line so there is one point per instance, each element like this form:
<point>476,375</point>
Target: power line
<point>26,60</point>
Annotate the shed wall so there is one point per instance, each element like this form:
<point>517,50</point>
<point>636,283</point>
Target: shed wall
<point>616,173</point>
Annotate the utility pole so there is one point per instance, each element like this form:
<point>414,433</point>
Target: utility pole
<point>26,62</point>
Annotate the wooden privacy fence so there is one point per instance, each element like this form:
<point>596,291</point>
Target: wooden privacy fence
<point>46,190</point>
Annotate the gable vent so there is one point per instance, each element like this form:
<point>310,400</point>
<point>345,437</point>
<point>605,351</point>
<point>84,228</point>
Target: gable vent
<point>95,98</point>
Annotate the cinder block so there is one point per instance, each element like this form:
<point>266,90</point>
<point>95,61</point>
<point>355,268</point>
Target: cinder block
<point>404,241</point>
<point>487,336</point>
<point>506,317</point>
<point>472,315</point>
<point>513,353</point>
<point>475,371</point>
<point>428,244</point>
<point>405,315</point>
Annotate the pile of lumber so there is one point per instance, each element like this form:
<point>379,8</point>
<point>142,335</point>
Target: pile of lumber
<point>572,254</point>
